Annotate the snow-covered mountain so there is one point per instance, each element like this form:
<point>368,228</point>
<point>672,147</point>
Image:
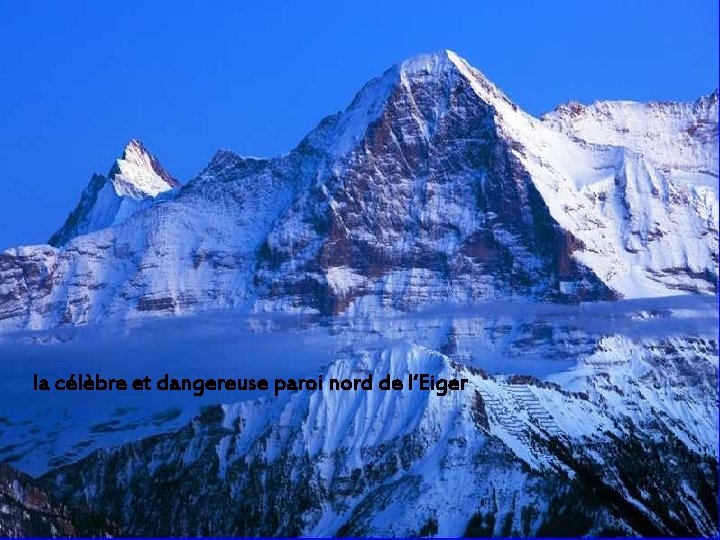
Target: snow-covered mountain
<point>431,186</point>
<point>678,138</point>
<point>612,446</point>
<point>134,180</point>
<point>439,229</point>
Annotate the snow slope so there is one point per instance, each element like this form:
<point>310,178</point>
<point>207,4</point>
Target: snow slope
<point>624,442</point>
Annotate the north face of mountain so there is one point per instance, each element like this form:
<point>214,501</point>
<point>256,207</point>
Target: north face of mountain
<point>428,202</point>
<point>133,182</point>
<point>432,186</point>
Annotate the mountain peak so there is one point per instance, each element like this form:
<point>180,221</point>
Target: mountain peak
<point>430,171</point>
<point>139,174</point>
<point>437,62</point>
<point>446,61</point>
<point>436,73</point>
<point>134,146</point>
<point>134,180</point>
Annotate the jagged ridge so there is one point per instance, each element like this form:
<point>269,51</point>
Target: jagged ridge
<point>431,186</point>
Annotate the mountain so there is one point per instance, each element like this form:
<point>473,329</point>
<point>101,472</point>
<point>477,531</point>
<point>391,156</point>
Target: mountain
<point>566,267</point>
<point>132,183</point>
<point>431,186</point>
<point>611,447</point>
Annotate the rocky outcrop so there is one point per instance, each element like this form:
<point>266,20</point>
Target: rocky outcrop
<point>28,510</point>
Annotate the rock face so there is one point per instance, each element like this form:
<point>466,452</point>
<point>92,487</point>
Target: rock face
<point>428,204</point>
<point>431,186</point>
<point>132,183</point>
<point>28,510</point>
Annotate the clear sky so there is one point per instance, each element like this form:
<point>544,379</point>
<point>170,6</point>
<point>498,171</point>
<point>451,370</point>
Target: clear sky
<point>78,79</point>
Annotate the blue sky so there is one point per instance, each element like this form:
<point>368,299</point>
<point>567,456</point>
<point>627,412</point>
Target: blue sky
<point>78,79</point>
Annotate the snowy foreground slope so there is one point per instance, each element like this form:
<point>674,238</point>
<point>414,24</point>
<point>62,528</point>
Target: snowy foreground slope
<point>615,431</point>
<point>565,266</point>
<point>623,442</point>
<point>431,186</point>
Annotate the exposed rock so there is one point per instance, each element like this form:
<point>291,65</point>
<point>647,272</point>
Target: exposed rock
<point>28,510</point>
